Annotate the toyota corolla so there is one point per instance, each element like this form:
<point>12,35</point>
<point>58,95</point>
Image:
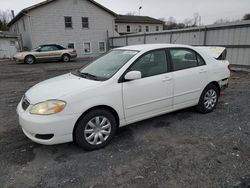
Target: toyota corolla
<point>126,85</point>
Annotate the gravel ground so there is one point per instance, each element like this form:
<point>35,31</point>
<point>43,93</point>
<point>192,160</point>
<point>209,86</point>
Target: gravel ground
<point>180,149</point>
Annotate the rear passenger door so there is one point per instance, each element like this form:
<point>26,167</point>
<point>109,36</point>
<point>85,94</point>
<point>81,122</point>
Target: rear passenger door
<point>190,76</point>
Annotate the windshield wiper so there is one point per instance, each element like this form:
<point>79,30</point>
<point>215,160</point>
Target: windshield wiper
<point>87,75</point>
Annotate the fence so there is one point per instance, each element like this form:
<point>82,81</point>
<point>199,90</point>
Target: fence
<point>234,36</point>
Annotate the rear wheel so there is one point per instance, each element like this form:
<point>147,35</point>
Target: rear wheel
<point>65,58</point>
<point>208,99</point>
<point>29,59</point>
<point>95,129</point>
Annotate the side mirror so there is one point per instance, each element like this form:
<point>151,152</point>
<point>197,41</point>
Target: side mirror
<point>133,75</point>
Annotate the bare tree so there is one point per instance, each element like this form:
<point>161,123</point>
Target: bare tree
<point>246,17</point>
<point>5,17</point>
<point>131,13</point>
<point>188,22</point>
<point>221,21</point>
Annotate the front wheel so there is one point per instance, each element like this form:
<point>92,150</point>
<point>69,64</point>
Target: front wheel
<point>208,99</point>
<point>66,58</point>
<point>95,130</point>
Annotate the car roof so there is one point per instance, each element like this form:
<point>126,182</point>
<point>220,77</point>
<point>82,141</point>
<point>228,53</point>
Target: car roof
<point>49,45</point>
<point>146,47</point>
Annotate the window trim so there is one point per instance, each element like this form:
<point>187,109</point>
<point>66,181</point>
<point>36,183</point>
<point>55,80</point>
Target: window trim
<point>122,79</point>
<point>89,46</point>
<point>104,47</point>
<point>68,22</point>
<point>85,22</point>
<point>187,49</point>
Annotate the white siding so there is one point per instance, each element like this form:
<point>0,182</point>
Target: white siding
<point>47,25</point>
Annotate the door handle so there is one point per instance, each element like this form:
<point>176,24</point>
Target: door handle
<point>167,79</point>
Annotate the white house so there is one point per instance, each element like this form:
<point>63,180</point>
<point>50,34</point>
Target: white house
<point>82,24</point>
<point>128,24</point>
<point>8,44</point>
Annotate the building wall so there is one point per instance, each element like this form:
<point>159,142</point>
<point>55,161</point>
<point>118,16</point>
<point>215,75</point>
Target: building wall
<point>48,26</point>
<point>134,27</point>
<point>234,36</point>
<point>8,47</point>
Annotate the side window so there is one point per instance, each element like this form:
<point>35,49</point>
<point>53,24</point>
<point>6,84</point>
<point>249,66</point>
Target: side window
<point>151,64</point>
<point>46,49</point>
<point>200,60</point>
<point>183,59</point>
<point>54,48</point>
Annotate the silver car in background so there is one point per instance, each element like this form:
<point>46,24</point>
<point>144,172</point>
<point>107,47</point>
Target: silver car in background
<point>47,52</point>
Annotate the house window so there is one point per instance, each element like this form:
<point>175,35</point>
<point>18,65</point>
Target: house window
<point>24,27</point>
<point>102,47</point>
<point>71,45</point>
<point>85,22</point>
<point>147,29</point>
<point>140,29</point>
<point>116,28</point>
<point>128,28</point>
<point>157,28</point>
<point>87,47</point>
<point>68,22</point>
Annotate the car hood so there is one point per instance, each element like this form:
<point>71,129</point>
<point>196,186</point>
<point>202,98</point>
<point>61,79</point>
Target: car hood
<point>22,54</point>
<point>56,88</point>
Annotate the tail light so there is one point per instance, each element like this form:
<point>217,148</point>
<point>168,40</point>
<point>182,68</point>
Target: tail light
<point>229,67</point>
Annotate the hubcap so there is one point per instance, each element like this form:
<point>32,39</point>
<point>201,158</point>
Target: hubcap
<point>30,60</point>
<point>66,58</point>
<point>97,130</point>
<point>210,99</point>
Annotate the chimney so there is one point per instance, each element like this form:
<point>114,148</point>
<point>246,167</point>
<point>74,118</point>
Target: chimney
<point>13,13</point>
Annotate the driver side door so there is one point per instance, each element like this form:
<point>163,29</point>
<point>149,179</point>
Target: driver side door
<point>153,93</point>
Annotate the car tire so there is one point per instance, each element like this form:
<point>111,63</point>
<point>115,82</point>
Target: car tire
<point>95,129</point>
<point>65,58</point>
<point>208,99</point>
<point>30,59</point>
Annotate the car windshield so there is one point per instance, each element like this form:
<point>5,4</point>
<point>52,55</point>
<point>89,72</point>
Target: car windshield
<point>106,66</point>
<point>36,49</point>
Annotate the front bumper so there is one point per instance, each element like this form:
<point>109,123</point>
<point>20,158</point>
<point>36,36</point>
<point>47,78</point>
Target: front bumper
<point>18,59</point>
<point>59,126</point>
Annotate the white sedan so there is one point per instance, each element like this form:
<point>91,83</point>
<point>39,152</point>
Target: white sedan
<point>126,85</point>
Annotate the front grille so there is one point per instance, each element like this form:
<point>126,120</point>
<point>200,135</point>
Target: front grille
<point>25,103</point>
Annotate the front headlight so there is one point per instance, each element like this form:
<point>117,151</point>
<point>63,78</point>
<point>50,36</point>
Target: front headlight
<point>48,107</point>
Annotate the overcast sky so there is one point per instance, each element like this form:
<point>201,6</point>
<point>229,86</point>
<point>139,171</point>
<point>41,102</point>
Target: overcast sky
<point>210,10</point>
